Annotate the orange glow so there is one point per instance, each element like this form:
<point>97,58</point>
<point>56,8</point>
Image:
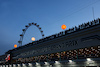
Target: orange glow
<point>15,46</point>
<point>63,26</point>
<point>33,39</point>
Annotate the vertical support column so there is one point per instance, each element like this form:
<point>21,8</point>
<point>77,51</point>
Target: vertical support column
<point>5,65</point>
<point>32,65</point>
<point>2,65</point>
<point>16,65</point>
<point>11,65</point>
<point>46,58</point>
<point>8,65</point>
<point>21,65</point>
<point>27,65</point>
<point>77,54</point>
<point>60,57</point>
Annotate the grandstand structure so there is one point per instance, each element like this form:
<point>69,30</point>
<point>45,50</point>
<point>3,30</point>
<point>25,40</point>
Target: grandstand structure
<point>75,47</point>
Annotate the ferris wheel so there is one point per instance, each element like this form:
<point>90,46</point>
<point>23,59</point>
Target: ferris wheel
<point>24,30</point>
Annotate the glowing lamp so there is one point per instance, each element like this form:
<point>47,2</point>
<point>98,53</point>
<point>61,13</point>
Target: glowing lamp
<point>15,46</point>
<point>63,26</point>
<point>33,39</point>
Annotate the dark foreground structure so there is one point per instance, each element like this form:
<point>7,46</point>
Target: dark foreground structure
<point>75,47</point>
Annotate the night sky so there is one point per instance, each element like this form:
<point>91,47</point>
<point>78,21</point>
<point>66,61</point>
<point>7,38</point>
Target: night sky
<point>49,14</point>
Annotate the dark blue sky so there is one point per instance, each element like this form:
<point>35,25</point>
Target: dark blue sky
<point>49,14</point>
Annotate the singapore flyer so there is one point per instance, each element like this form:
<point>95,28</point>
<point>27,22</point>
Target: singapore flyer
<point>26,28</point>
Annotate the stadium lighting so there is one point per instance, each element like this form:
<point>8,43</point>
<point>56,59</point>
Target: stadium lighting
<point>70,61</point>
<point>46,63</point>
<point>23,64</point>
<point>88,59</point>
<point>37,63</point>
<point>30,64</point>
<point>9,65</point>
<point>3,65</point>
<point>57,62</point>
<point>18,64</point>
<point>6,65</point>
<point>14,65</point>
